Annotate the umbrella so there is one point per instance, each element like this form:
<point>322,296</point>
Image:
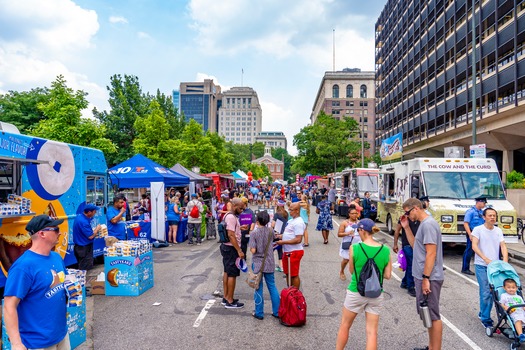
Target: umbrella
<point>276,183</point>
<point>254,190</point>
<point>255,183</point>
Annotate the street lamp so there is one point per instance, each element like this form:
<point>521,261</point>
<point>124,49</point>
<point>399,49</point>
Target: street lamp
<point>362,136</point>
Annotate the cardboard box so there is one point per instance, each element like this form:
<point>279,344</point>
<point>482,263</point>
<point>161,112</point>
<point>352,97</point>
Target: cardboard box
<point>128,276</point>
<point>97,287</point>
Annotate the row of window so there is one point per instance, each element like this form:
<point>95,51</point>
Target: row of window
<point>240,123</point>
<point>274,168</point>
<point>350,103</point>
<point>239,118</point>
<point>239,113</point>
<point>238,128</point>
<point>349,91</point>
<point>238,134</point>
<point>233,100</point>
<point>238,139</point>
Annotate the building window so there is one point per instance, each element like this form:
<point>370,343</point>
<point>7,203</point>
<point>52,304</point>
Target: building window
<point>349,91</point>
<point>278,168</point>
<point>335,103</point>
<point>363,91</point>
<point>335,91</point>
<point>350,103</point>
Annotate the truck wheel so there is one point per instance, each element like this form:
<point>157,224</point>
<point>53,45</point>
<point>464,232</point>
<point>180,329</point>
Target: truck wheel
<point>389,227</point>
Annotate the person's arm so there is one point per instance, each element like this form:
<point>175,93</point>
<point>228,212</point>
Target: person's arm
<point>466,224</point>
<point>396,237</point>
<point>11,322</point>
<point>504,251</point>
<point>408,232</point>
<point>387,272</point>
<point>341,231</point>
<point>430,260</point>
<point>233,241</point>
<point>475,248</point>
<point>118,217</point>
<point>351,266</point>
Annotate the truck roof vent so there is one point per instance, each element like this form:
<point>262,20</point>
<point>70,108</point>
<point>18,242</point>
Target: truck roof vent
<point>7,127</point>
<point>454,152</point>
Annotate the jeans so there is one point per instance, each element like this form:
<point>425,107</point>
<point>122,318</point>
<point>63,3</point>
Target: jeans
<point>467,255</point>
<point>485,297</point>
<point>194,228</point>
<point>408,280</point>
<point>258,297</point>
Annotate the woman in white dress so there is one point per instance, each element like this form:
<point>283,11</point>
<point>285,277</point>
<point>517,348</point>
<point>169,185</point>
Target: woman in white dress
<point>350,236</point>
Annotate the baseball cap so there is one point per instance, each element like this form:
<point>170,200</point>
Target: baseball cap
<point>281,203</point>
<point>194,195</point>
<point>481,199</point>
<point>40,222</point>
<point>91,207</point>
<point>366,224</point>
<point>424,198</point>
<point>241,264</point>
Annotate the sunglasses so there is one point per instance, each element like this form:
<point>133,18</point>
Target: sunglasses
<point>54,229</point>
<point>407,213</point>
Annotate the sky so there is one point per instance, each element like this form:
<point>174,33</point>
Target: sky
<point>283,47</point>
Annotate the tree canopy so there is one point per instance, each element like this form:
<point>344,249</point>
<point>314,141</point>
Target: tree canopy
<point>21,108</point>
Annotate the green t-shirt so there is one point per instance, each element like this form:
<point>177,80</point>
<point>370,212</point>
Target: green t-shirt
<point>360,259</point>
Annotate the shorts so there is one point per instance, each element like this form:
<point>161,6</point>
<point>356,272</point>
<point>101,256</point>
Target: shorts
<point>432,298</point>
<point>64,344</point>
<point>295,262</point>
<point>356,303</point>
<point>229,255</point>
<point>518,315</point>
<point>173,222</point>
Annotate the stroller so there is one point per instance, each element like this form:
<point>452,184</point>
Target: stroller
<point>497,272</point>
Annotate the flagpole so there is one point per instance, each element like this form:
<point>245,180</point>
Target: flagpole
<point>242,76</point>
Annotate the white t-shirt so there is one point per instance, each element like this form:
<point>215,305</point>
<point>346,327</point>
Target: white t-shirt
<point>489,243</point>
<point>294,228</point>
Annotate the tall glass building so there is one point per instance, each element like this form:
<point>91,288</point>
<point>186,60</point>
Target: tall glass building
<point>176,99</point>
<point>200,101</point>
<point>424,86</point>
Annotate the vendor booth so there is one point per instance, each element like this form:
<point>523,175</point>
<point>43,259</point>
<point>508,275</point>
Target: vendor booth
<point>142,172</point>
<point>197,182</point>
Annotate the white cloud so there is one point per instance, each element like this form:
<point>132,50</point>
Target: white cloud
<point>118,19</point>
<point>202,76</point>
<point>143,35</point>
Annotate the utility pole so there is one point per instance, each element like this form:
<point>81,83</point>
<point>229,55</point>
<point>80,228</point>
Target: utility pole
<point>362,136</point>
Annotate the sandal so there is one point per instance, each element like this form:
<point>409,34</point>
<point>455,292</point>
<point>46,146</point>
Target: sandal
<point>306,245</point>
<point>257,317</point>
<point>325,242</point>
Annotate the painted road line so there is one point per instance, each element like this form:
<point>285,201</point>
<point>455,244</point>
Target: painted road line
<point>449,269</point>
<point>449,324</point>
<point>203,313</point>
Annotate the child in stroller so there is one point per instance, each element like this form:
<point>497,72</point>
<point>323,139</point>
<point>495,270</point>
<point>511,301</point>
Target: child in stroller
<point>506,292</point>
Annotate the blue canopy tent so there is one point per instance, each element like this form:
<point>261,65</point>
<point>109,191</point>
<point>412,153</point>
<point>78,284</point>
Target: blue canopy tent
<point>139,172</point>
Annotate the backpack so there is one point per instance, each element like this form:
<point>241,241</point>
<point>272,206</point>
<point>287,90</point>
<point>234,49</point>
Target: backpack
<point>195,211</point>
<point>369,283</point>
<point>223,232</point>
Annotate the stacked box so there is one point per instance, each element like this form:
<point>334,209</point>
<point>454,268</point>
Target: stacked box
<point>127,275</point>
<point>15,205</point>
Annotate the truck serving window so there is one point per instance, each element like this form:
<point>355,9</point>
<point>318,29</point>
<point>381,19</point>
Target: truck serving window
<point>367,183</point>
<point>95,190</point>
<point>463,185</point>
<point>8,179</point>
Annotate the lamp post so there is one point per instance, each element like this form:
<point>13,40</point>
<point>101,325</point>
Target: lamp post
<point>362,137</point>
<point>474,138</point>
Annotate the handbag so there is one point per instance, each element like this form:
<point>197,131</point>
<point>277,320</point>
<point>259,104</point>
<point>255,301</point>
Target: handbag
<point>254,279</point>
<point>346,245</point>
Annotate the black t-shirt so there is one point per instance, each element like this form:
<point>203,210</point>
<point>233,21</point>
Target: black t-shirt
<point>414,225</point>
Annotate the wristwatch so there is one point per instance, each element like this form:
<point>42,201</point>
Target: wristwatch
<point>427,277</point>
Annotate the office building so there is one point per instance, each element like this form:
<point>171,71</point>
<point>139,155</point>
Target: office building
<point>424,76</point>
<point>175,94</point>
<point>273,139</point>
<point>349,93</point>
<point>200,101</point>
<point>240,115</point>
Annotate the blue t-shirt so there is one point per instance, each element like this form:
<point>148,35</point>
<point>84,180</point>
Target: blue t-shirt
<point>119,229</point>
<point>170,213</point>
<point>82,230</point>
<point>474,217</point>
<point>35,280</point>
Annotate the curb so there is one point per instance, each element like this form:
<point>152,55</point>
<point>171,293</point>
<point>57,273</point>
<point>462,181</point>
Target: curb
<point>517,258</point>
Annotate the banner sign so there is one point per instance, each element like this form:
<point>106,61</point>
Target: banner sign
<point>392,147</point>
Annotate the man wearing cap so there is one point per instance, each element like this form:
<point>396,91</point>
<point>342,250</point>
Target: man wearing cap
<point>194,224</point>
<point>34,298</point>
<point>116,227</point>
<point>473,218</point>
<point>84,234</point>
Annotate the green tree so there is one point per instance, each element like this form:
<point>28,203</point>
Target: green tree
<point>328,145</point>
<point>176,121</point>
<point>223,158</point>
<point>127,102</point>
<point>63,119</point>
<point>21,108</point>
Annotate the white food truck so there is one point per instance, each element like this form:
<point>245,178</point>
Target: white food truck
<point>451,185</point>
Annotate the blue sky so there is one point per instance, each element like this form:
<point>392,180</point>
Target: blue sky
<point>284,47</point>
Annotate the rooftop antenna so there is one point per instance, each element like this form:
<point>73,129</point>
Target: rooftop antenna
<point>333,49</point>
<point>242,76</point>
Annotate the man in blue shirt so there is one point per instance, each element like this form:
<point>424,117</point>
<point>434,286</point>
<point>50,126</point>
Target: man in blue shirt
<point>83,235</point>
<point>473,218</point>
<point>35,298</point>
<point>116,227</point>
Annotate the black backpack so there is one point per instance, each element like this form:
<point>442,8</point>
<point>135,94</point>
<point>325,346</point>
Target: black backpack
<point>369,283</point>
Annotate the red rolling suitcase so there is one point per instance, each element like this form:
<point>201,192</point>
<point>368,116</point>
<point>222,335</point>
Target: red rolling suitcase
<point>292,309</point>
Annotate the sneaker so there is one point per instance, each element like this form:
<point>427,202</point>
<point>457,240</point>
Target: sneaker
<point>278,268</point>
<point>468,272</point>
<point>403,286</point>
<point>190,242</point>
<point>198,244</point>
<point>412,292</point>
<point>425,348</point>
<point>224,301</point>
<point>522,338</point>
<point>234,305</point>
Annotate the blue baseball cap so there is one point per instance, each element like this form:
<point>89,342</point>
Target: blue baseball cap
<point>194,195</point>
<point>91,207</point>
<point>241,264</point>
<point>366,224</point>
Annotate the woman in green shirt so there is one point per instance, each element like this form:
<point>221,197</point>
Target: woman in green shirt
<point>355,303</point>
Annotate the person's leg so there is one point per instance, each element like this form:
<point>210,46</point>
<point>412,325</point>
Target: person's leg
<point>198,232</point>
<point>519,327</point>
<point>344,262</point>
<point>435,335</point>
<point>225,284</point>
<point>344,329</point>
<point>190,233</point>
<point>258,299</point>
<point>306,236</point>
<point>296,281</point>
<point>467,256</point>
<point>372,322</point>
<point>325,236</point>
<point>274,293</point>
<point>175,228</point>
<point>231,288</point>
<point>485,298</point>
<point>409,255</point>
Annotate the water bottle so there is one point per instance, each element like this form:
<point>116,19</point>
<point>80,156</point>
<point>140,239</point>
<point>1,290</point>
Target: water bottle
<point>424,313</point>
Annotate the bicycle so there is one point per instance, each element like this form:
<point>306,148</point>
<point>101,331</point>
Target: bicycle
<point>521,230</point>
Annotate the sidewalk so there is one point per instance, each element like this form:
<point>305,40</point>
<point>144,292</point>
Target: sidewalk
<point>517,253</point>
<point>90,301</point>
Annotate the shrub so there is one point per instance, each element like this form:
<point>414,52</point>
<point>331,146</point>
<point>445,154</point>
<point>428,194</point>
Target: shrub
<point>515,179</point>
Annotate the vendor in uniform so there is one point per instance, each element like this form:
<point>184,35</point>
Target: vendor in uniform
<point>84,235</point>
<point>116,227</point>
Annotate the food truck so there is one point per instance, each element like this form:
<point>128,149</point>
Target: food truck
<point>451,184</point>
<point>358,181</point>
<point>39,176</point>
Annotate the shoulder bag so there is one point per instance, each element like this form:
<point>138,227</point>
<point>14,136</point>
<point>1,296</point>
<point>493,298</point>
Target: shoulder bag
<point>254,279</point>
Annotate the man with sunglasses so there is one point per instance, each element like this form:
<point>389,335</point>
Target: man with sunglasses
<point>473,218</point>
<point>34,298</point>
<point>427,266</point>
